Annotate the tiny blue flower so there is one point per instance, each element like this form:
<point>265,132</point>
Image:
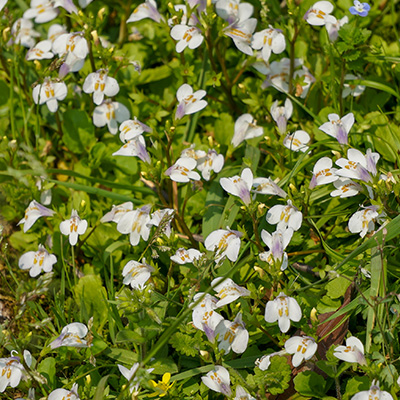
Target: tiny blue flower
<point>360,9</point>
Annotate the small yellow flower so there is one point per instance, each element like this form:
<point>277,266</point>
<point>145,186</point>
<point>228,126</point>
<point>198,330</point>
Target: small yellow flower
<point>162,387</point>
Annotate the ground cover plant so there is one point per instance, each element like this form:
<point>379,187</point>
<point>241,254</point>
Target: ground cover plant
<point>199,200</point>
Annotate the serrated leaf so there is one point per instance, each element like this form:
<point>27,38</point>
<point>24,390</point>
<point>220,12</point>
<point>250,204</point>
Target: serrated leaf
<point>185,344</point>
<point>275,379</point>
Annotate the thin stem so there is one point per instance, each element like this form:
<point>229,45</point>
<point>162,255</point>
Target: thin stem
<point>12,116</point>
<point>292,57</point>
<point>59,126</point>
<point>123,30</point>
<point>342,75</point>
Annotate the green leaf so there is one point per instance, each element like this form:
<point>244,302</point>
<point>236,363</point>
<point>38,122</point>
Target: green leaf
<point>78,131</point>
<point>121,355</point>
<point>224,129</point>
<point>253,154</point>
<point>337,287</point>
<point>4,93</point>
<point>378,85</point>
<point>309,383</point>
<point>186,344</point>
<point>355,385</point>
<point>385,136</point>
<point>47,368</point>
<point>214,208</point>
<point>99,393</point>
<point>97,191</point>
<point>127,335</point>
<point>163,365</point>
<point>91,296</point>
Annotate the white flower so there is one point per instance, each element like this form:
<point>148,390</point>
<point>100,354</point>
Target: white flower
<point>129,373</point>
<point>189,102</point>
<point>333,26</point>
<point>212,161</point>
<point>136,274</point>
<point>49,92</point>
<point>135,147</point>
<point>353,352</point>
<point>345,188</point>
<point>278,74</point>
<point>55,31</point>
<point>23,33</point>
<point>187,36</point>
<point>148,9</point>
<point>132,128</point>
<point>11,372</point>
<point>71,336</point>
<point>37,261</point>
<point>267,186</point>
<point>41,10</point>
<point>283,309</point>
<point>323,172</point>
<point>135,223</point>
<point>73,227</point>
<point>277,243</point>
<point>319,13</point>
<point>374,393</point>
<point>68,5</point>
<point>337,127</point>
<point>33,213</point>
<point>74,48</point>
<point>285,216</point>
<point>218,380</point>
<point>297,141</point>
<point>117,212</point>
<point>204,316</point>
<point>241,34</point>
<point>192,153</point>
<point>100,84</point>
<point>232,335</point>
<point>224,242</point>
<point>269,40</point>
<point>358,166</point>
<point>302,348</point>
<point>64,394</point>
<point>183,256</point>
<point>352,88</point>
<point>281,114</point>
<point>239,186</point>
<point>41,51</point>
<point>163,217</point>
<point>245,128</point>
<point>227,291</point>
<point>363,221</point>
<point>109,113</point>
<point>181,171</point>
<point>241,394</point>
<point>233,10</point>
